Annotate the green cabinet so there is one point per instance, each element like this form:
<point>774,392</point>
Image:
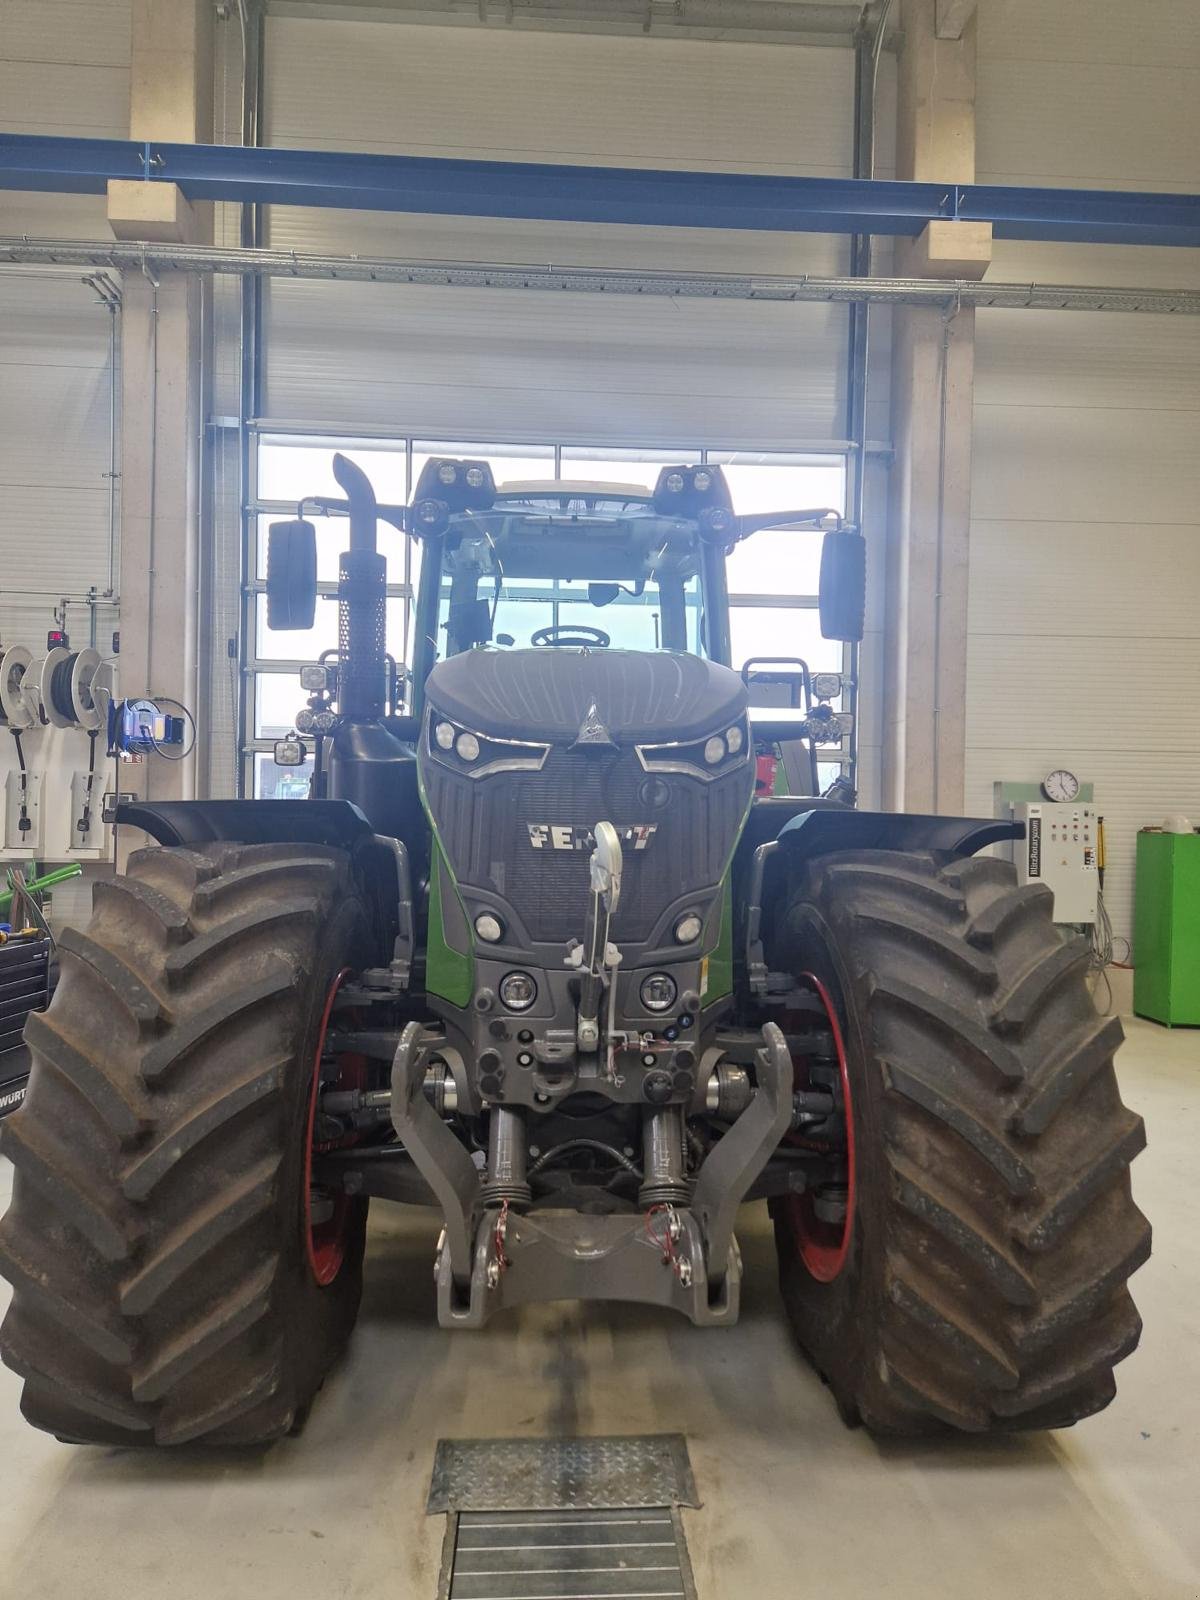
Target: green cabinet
<point>1166,928</point>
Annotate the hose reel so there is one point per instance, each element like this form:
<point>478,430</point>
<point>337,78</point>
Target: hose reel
<point>72,684</point>
<point>14,704</point>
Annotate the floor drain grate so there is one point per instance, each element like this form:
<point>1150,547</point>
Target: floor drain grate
<point>564,1519</point>
<point>628,1554</point>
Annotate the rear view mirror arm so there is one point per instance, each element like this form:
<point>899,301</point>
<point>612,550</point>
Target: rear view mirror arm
<point>396,516</point>
<point>821,520</point>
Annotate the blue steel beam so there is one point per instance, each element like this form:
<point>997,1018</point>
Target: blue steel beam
<point>552,192</point>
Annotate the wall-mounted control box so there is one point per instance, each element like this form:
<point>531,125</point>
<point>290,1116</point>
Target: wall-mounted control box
<point>1060,850</point>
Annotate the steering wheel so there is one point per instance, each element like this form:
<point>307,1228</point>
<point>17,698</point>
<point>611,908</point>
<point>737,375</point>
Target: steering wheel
<point>575,634</point>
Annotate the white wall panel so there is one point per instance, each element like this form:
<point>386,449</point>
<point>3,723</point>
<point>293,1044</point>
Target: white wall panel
<point>64,69</point>
<point>1084,630</point>
<point>574,98</point>
<point>574,366</point>
<point>577,368</point>
<point>55,397</point>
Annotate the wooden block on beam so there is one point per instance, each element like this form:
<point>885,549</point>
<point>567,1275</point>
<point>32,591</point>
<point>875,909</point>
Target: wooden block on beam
<point>156,212</point>
<point>948,250</point>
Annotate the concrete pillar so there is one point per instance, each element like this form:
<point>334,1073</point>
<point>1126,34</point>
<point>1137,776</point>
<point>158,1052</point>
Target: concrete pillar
<point>163,406</point>
<point>932,397</point>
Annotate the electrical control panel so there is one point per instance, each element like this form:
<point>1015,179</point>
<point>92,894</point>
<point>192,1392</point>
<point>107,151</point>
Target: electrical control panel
<point>1060,849</point>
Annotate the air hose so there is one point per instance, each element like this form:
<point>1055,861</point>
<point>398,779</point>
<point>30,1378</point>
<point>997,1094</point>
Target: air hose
<point>61,697</point>
<point>23,822</point>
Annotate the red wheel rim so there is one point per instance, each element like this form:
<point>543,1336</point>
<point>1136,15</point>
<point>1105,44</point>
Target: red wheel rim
<point>823,1246</point>
<point>325,1240</point>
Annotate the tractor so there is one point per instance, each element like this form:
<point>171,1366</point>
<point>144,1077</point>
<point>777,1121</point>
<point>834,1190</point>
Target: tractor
<point>565,944</point>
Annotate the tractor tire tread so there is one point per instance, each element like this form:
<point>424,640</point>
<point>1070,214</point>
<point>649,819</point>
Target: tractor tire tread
<point>154,1241</point>
<point>993,1295</point>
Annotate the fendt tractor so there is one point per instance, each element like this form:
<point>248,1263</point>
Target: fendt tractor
<point>566,945</point>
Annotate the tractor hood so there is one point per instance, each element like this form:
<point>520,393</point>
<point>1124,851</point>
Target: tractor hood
<point>554,692</point>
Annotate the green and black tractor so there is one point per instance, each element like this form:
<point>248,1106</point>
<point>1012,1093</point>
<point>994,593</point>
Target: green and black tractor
<point>566,945</point>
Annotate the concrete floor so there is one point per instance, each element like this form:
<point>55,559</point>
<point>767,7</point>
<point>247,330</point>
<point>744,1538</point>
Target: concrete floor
<point>794,1504</point>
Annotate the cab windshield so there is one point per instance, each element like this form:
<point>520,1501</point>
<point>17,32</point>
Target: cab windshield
<point>565,565</point>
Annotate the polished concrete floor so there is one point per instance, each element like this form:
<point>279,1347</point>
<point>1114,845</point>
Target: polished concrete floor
<point>794,1504</point>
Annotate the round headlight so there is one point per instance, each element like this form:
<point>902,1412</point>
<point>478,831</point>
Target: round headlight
<point>675,482</point>
<point>702,480</point>
<point>429,511</point>
<point>517,991</point>
<point>447,473</point>
<point>444,736</point>
<point>324,721</point>
<point>475,477</point>
<point>714,750</point>
<point>733,740</point>
<point>658,991</point>
<point>467,746</point>
<point>489,927</point>
<point>687,929</point>
<point>305,721</point>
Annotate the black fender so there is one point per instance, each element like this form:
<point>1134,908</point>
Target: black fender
<point>816,833</point>
<point>192,822</point>
<point>781,833</point>
<point>380,861</point>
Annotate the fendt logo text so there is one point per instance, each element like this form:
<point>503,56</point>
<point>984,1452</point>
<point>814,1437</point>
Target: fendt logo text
<point>548,836</point>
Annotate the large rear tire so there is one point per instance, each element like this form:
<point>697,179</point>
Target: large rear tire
<point>158,1240</point>
<point>983,1284</point>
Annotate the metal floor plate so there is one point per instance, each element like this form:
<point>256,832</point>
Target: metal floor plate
<point>561,1474</point>
<point>564,1519</point>
<point>632,1554</point>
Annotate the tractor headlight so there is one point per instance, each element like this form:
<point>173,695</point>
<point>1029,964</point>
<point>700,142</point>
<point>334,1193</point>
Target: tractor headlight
<point>688,928</point>
<point>430,515</point>
<point>702,480</point>
<point>714,756</point>
<point>462,748</point>
<point>674,482</point>
<point>518,991</point>
<point>459,485</point>
<point>658,991</point>
<point>489,928</point>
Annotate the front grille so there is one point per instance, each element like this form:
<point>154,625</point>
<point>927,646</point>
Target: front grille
<point>484,828</point>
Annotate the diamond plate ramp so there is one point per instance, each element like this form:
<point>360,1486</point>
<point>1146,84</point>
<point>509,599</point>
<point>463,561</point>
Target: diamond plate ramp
<point>562,1474</point>
<point>564,1519</point>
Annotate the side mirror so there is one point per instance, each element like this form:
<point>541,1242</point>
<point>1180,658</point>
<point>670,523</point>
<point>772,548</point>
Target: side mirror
<point>469,622</point>
<point>603,594</point>
<point>291,575</point>
<point>843,592</point>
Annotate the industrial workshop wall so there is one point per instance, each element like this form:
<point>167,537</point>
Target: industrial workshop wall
<point>64,69</point>
<point>1084,646</point>
<point>497,364</point>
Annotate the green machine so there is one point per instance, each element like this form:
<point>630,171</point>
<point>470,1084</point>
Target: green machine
<point>1166,978</point>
